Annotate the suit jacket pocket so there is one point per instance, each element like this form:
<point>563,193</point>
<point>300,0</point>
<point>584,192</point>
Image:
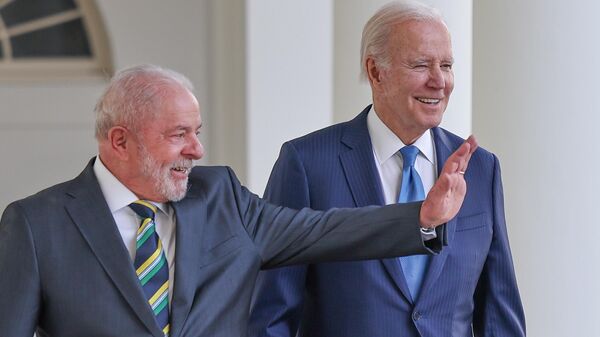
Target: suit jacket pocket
<point>470,222</point>
<point>222,249</point>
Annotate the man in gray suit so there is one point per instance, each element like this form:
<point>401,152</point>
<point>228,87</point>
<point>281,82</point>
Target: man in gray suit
<point>143,244</point>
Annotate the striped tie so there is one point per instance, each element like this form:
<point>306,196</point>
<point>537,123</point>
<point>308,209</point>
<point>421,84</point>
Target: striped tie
<point>151,264</point>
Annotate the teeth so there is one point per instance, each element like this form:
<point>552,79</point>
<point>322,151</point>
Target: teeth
<point>429,100</point>
<point>183,166</point>
<point>180,169</point>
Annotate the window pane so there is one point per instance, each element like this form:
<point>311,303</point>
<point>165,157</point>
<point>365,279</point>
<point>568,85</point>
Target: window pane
<point>20,11</point>
<point>67,39</point>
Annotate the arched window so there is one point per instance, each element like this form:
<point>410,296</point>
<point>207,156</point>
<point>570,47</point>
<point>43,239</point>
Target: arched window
<point>52,39</point>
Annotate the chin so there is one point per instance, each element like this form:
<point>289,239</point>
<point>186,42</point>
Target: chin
<point>431,121</point>
<point>173,190</point>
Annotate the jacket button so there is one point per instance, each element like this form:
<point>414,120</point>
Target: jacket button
<point>416,316</point>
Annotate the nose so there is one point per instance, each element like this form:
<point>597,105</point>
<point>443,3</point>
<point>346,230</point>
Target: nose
<point>437,79</point>
<point>194,149</point>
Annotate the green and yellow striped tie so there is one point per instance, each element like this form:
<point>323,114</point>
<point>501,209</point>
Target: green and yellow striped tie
<point>151,264</point>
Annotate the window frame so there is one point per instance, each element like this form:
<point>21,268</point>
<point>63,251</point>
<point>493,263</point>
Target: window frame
<point>99,65</point>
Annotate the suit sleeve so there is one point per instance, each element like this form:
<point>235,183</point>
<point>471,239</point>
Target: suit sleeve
<point>19,277</point>
<point>498,308</point>
<point>279,293</point>
<point>283,236</point>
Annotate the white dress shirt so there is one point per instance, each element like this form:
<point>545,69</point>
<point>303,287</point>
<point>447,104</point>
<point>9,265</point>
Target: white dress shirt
<point>118,197</point>
<point>388,160</point>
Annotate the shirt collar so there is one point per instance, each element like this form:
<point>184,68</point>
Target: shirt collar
<point>117,195</point>
<point>386,144</point>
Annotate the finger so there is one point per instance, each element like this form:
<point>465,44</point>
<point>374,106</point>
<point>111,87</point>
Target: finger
<point>472,147</point>
<point>473,142</point>
<point>464,152</point>
<point>454,162</point>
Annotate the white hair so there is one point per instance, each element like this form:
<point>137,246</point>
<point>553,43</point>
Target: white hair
<point>377,30</point>
<point>132,93</point>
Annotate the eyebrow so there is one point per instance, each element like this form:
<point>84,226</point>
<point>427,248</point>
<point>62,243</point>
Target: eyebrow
<point>183,128</point>
<point>179,127</point>
<point>428,60</point>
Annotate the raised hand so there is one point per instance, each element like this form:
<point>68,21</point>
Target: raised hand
<point>447,194</point>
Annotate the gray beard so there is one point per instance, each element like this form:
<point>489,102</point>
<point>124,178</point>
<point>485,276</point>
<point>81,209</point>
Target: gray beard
<point>165,186</point>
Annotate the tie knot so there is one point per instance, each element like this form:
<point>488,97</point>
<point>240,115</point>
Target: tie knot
<point>409,155</point>
<point>143,208</point>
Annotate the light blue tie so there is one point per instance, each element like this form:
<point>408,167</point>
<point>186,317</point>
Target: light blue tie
<point>411,189</point>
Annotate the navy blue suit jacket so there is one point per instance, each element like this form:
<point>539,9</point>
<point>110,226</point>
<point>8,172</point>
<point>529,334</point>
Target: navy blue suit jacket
<point>469,289</point>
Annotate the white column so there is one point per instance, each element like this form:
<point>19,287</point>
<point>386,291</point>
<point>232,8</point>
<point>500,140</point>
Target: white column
<point>351,95</point>
<point>289,77</point>
<point>536,106</point>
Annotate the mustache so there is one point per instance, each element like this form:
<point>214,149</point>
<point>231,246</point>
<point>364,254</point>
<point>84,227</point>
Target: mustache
<point>183,163</point>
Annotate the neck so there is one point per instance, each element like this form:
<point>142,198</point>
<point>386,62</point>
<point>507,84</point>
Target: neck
<point>406,134</point>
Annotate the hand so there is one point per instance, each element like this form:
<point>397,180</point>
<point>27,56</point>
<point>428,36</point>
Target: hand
<point>447,194</point>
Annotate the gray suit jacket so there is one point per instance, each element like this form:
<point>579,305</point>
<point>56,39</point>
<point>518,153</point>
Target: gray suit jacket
<point>64,270</point>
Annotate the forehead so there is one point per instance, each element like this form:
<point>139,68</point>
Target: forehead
<point>176,108</point>
<point>426,37</point>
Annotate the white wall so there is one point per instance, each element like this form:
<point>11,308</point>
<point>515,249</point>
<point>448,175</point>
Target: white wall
<point>227,85</point>
<point>46,129</point>
<point>535,105</point>
<point>42,129</point>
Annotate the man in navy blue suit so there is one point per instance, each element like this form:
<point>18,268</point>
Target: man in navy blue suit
<point>470,288</point>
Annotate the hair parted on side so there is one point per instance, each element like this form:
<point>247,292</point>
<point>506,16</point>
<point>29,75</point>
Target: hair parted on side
<point>377,30</point>
<point>133,92</point>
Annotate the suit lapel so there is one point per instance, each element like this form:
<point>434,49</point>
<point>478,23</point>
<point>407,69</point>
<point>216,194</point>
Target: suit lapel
<point>443,149</point>
<point>91,215</point>
<point>191,222</point>
<point>358,163</point>
<point>363,179</point>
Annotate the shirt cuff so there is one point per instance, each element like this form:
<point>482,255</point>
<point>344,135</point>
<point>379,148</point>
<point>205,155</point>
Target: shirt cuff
<point>428,234</point>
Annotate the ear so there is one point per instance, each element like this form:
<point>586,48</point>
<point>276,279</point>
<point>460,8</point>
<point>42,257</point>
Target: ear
<point>374,73</point>
<point>119,141</point>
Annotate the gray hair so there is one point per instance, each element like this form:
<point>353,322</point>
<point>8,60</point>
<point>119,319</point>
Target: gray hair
<point>377,30</point>
<point>133,92</point>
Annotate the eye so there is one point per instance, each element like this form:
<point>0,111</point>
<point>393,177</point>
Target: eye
<point>447,66</point>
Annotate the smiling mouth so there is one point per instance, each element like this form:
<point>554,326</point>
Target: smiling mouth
<point>181,169</point>
<point>431,101</point>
